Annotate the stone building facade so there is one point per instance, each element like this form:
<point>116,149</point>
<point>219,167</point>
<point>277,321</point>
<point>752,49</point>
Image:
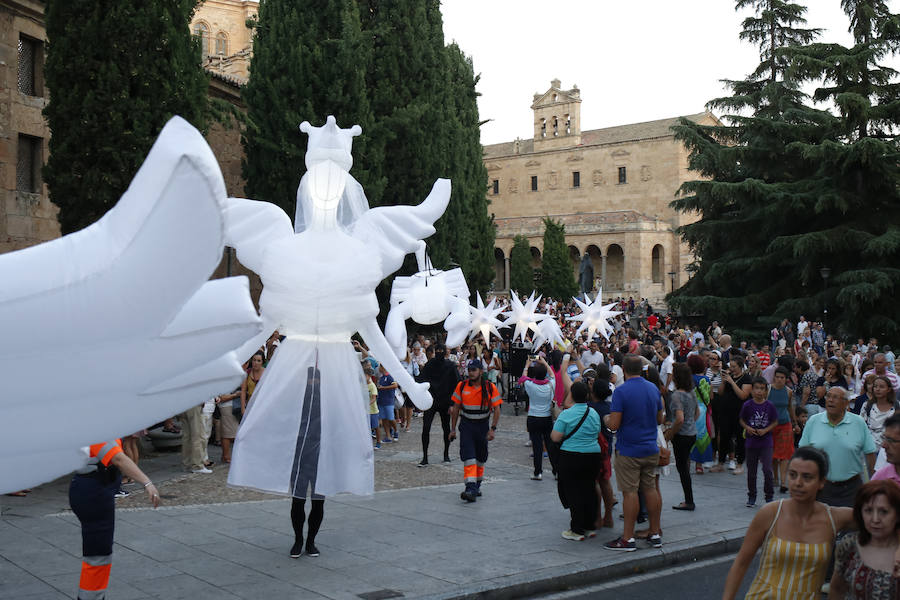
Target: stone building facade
<point>611,188</point>
<point>226,41</point>
<point>27,216</point>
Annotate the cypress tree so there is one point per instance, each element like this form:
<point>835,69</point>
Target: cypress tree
<point>851,223</point>
<point>750,193</point>
<point>558,279</point>
<point>116,71</point>
<point>521,275</point>
<point>468,230</point>
<point>309,61</point>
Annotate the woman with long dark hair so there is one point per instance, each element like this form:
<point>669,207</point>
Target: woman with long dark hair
<point>682,431</point>
<point>539,385</point>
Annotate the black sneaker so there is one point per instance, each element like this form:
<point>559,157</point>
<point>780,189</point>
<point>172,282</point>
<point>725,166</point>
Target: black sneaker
<point>423,463</point>
<point>621,544</point>
<point>446,458</point>
<point>311,549</point>
<point>655,540</point>
<point>297,549</point>
<point>468,496</point>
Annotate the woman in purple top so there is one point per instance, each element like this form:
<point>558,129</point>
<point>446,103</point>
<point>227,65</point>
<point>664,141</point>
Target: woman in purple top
<point>758,418</point>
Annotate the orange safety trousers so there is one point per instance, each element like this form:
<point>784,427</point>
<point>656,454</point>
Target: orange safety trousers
<point>94,577</point>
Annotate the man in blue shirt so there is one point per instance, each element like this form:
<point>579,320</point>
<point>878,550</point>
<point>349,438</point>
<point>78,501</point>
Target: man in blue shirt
<point>635,412</point>
<point>847,441</point>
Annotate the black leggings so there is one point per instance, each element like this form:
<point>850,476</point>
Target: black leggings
<point>428,417</point>
<point>539,429</point>
<point>730,429</point>
<point>298,516</point>
<point>682,445</point>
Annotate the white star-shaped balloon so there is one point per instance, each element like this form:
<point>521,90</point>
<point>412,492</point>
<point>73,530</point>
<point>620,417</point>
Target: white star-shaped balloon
<point>484,319</point>
<point>523,316</point>
<point>594,316</point>
<point>548,330</point>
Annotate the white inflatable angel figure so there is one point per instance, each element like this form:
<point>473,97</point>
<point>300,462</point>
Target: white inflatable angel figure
<point>115,327</point>
<point>428,297</point>
<point>483,319</point>
<point>523,317</point>
<point>594,316</point>
<point>307,428</point>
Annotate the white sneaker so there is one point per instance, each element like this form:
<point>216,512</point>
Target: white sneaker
<point>568,534</point>
<point>732,465</point>
<point>203,470</point>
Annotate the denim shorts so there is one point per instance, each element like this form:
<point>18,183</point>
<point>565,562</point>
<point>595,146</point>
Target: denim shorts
<point>386,412</point>
<point>373,421</point>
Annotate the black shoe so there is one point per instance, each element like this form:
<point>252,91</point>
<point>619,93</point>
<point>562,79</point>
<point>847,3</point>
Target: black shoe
<point>783,490</point>
<point>311,549</point>
<point>424,462</point>
<point>296,549</point>
<point>468,496</point>
<point>478,492</point>
<point>642,518</point>
<point>446,458</point>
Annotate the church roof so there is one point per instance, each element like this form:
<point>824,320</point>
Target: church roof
<point>599,137</point>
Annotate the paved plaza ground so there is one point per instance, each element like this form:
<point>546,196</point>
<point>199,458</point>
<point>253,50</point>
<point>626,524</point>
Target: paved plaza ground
<point>413,538</point>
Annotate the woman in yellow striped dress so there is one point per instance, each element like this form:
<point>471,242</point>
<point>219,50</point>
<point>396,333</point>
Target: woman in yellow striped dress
<point>797,536</point>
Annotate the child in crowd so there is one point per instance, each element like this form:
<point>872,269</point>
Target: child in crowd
<point>802,416</point>
<point>372,390</point>
<point>758,418</point>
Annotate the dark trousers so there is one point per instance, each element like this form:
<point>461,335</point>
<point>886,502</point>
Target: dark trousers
<point>427,418</point>
<point>539,429</point>
<point>840,493</point>
<point>682,445</point>
<point>93,502</point>
<point>577,476</point>
<point>763,456</point>
<point>732,438</point>
<point>473,451</point>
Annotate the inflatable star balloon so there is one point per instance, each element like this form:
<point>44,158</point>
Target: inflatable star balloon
<point>523,316</point>
<point>548,330</point>
<point>594,316</point>
<point>484,319</point>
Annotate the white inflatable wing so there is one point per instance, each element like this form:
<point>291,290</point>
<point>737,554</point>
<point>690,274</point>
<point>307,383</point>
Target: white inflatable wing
<point>113,328</point>
<point>395,231</point>
<point>251,226</point>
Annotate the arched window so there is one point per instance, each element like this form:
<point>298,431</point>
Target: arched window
<point>555,126</point>
<point>543,128</point>
<point>201,32</point>
<point>657,265</point>
<point>221,44</point>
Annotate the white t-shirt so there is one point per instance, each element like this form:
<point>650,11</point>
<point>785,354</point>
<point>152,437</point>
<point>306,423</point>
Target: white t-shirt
<point>591,358</point>
<point>665,369</point>
<point>801,327</point>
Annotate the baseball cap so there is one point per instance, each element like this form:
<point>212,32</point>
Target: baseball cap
<point>474,364</point>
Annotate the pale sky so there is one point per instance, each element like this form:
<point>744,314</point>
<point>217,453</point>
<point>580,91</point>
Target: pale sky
<point>635,60</point>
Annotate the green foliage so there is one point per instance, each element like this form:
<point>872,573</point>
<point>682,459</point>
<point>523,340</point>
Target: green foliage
<point>521,275</point>
<point>787,188</point>
<point>558,281</point>
<point>308,62</point>
<point>116,72</point>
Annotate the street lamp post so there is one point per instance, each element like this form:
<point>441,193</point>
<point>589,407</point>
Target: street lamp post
<point>672,275</point>
<point>825,272</point>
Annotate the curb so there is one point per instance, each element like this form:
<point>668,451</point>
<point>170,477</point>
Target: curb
<point>561,579</point>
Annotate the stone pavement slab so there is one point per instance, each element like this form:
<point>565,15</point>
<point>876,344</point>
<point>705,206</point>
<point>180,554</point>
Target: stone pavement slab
<point>419,542</point>
<point>414,537</point>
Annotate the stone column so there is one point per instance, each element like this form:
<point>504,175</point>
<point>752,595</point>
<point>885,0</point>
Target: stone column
<point>506,272</point>
<point>603,270</point>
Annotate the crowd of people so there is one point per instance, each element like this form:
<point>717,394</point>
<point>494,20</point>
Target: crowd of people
<point>816,415</point>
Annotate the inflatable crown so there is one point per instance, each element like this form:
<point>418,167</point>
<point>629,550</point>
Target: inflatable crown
<point>329,142</point>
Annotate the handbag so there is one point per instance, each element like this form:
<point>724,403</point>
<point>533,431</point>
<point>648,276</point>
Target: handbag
<point>558,445</point>
<point>665,454</point>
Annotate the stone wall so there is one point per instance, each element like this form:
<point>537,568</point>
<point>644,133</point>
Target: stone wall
<point>27,216</point>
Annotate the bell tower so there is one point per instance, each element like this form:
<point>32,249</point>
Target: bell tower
<point>557,117</point>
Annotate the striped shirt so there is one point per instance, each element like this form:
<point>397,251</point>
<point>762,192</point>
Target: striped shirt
<point>790,570</point>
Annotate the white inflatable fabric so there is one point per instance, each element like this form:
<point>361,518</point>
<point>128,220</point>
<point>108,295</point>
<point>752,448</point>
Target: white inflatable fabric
<point>594,316</point>
<point>113,328</point>
<point>306,429</point>
<point>523,317</point>
<point>483,319</point>
<point>429,296</point>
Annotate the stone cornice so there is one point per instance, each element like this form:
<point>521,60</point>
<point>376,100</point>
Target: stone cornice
<point>582,224</point>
